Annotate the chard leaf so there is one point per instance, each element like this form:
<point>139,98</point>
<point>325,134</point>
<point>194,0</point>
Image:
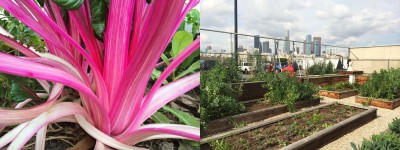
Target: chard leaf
<point>183,117</point>
<point>165,59</point>
<point>189,60</point>
<point>180,41</point>
<point>41,2</point>
<point>156,74</point>
<point>69,4</point>
<point>20,91</point>
<point>98,10</point>
<point>192,68</point>
<point>160,118</point>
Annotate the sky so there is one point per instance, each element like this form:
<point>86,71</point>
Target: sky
<point>353,23</point>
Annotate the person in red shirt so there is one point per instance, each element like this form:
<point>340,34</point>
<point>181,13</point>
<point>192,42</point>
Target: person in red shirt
<point>270,67</point>
<point>289,69</point>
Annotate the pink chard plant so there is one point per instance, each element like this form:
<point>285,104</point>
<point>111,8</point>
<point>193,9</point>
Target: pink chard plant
<point>110,73</point>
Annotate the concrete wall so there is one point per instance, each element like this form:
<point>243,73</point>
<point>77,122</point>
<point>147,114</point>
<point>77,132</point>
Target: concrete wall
<point>370,59</point>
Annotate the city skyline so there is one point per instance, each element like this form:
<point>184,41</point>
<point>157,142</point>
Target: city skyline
<point>362,21</point>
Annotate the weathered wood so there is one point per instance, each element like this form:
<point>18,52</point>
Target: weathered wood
<point>337,95</point>
<point>382,103</point>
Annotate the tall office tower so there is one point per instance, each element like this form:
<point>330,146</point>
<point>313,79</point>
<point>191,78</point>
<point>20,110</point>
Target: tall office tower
<point>298,50</point>
<point>317,46</point>
<point>261,48</point>
<point>308,45</point>
<point>209,48</point>
<point>286,47</point>
<point>257,41</point>
<point>265,46</point>
<point>240,48</point>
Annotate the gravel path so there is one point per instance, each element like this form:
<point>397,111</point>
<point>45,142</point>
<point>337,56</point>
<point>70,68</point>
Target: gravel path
<point>376,126</point>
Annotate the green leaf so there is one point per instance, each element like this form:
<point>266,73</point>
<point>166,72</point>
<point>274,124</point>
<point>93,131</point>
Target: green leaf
<point>165,59</point>
<point>160,118</point>
<point>69,4</point>
<point>156,74</point>
<point>148,1</point>
<point>189,60</point>
<point>41,2</point>
<point>20,91</point>
<point>180,41</point>
<point>98,10</point>
<point>183,117</point>
<point>192,68</point>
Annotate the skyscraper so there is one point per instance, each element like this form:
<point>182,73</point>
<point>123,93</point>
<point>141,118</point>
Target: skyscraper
<point>240,48</point>
<point>308,45</point>
<point>286,47</point>
<point>265,46</point>
<point>209,48</point>
<point>317,46</point>
<point>257,41</point>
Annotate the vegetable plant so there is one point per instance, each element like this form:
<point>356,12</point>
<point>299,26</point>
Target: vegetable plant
<point>383,140</point>
<point>395,125</point>
<point>320,68</point>
<point>218,98</point>
<point>382,85</point>
<point>342,86</point>
<point>107,56</point>
<point>283,89</point>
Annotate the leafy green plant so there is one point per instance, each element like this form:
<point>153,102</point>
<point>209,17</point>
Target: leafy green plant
<point>382,85</point>
<point>395,126</point>
<point>221,145</point>
<point>342,86</point>
<point>320,68</point>
<point>383,140</point>
<point>283,89</point>
<point>218,98</point>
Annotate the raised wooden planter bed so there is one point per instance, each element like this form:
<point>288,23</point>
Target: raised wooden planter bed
<point>326,80</point>
<point>350,72</point>
<point>227,123</point>
<point>382,103</point>
<point>314,141</point>
<point>338,95</point>
<point>361,79</point>
<point>250,90</point>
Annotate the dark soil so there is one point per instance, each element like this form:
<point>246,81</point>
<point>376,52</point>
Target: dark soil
<point>283,133</point>
<point>259,105</point>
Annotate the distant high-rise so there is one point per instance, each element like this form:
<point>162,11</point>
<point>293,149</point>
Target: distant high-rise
<point>286,47</point>
<point>298,50</point>
<point>308,46</point>
<point>209,48</point>
<point>317,46</point>
<point>257,41</point>
<point>240,48</point>
<point>266,48</point>
<point>261,48</point>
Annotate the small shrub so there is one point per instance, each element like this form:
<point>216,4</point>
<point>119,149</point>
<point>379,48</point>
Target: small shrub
<point>395,125</point>
<point>320,68</point>
<point>283,89</point>
<point>218,98</point>
<point>221,145</point>
<point>342,86</point>
<point>383,140</point>
<point>384,85</point>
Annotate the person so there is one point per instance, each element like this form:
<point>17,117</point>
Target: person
<point>270,67</point>
<point>289,69</point>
